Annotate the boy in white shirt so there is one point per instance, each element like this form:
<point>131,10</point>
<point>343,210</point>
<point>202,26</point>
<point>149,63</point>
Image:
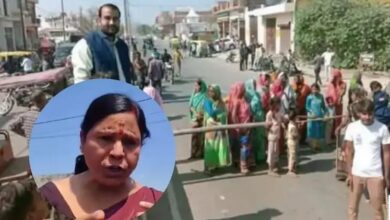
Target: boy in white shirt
<point>366,141</point>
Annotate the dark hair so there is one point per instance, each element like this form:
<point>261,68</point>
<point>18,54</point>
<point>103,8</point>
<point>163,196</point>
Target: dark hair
<point>274,101</point>
<point>292,115</point>
<point>315,85</point>
<point>366,106</point>
<point>358,92</point>
<point>109,5</point>
<point>375,85</point>
<point>16,199</point>
<point>104,106</point>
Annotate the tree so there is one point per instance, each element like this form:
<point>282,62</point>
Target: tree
<point>85,22</point>
<point>349,28</point>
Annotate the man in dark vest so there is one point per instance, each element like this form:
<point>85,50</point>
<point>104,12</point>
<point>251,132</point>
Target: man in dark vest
<point>101,54</point>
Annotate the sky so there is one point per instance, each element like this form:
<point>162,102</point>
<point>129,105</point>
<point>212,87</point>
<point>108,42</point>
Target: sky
<point>54,143</point>
<point>141,11</point>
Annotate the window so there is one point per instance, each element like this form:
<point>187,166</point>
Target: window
<point>19,4</point>
<point>9,36</point>
<point>5,7</point>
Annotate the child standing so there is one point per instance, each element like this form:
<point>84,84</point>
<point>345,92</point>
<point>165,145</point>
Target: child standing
<point>274,121</point>
<point>292,143</point>
<point>330,123</point>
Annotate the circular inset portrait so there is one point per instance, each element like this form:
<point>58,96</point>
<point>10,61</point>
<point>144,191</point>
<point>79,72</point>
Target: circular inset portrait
<point>102,146</point>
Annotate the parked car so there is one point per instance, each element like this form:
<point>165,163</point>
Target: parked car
<point>62,52</point>
<point>228,44</point>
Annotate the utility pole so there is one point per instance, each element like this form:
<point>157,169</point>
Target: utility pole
<point>63,19</point>
<point>127,18</point>
<point>23,25</point>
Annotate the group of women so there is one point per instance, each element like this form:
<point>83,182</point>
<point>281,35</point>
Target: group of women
<point>249,102</point>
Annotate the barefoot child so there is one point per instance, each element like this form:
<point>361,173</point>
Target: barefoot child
<point>292,143</point>
<point>274,121</point>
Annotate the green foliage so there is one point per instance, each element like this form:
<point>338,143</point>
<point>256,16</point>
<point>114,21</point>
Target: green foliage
<point>348,27</point>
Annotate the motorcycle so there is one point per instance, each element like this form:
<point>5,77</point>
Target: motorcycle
<point>169,72</point>
<point>231,57</point>
<point>21,97</point>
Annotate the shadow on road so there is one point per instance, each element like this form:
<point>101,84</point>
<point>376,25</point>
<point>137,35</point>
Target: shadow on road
<point>177,117</point>
<point>17,166</point>
<point>172,98</point>
<point>266,214</point>
<point>199,177</point>
<point>324,165</point>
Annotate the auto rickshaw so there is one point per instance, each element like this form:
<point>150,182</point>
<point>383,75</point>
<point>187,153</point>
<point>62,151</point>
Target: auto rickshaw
<point>18,56</point>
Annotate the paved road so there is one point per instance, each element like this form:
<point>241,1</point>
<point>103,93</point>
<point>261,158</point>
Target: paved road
<point>314,195</point>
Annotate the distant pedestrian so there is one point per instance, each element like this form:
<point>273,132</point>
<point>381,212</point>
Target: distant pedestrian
<point>368,151</point>
<point>318,62</point>
<point>328,58</point>
<point>156,72</point>
<point>244,53</point>
<point>27,64</point>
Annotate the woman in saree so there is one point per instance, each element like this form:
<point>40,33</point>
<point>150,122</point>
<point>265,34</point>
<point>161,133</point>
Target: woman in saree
<point>258,135</point>
<point>216,143</point>
<point>197,100</point>
<point>315,107</point>
<point>302,91</point>
<point>239,113</point>
<point>336,91</point>
<point>263,89</point>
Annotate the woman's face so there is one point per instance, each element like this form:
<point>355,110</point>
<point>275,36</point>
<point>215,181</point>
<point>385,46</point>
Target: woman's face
<point>197,87</point>
<point>353,97</point>
<point>112,147</point>
<point>211,93</point>
<point>315,90</point>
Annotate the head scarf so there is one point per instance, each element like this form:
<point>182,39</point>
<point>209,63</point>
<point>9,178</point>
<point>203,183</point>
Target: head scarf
<point>237,101</point>
<point>197,98</point>
<point>214,107</point>
<point>336,74</point>
<point>253,97</point>
<point>356,81</point>
<point>277,88</point>
<point>333,91</point>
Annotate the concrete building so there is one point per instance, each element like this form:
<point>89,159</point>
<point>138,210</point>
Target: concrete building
<point>52,28</point>
<point>193,26</point>
<point>231,18</point>
<point>11,27</point>
<point>164,22</point>
<point>274,20</point>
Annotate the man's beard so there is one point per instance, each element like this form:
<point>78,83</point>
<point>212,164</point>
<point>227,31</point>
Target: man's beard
<point>111,31</point>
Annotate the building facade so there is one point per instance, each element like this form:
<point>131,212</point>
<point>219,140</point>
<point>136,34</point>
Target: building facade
<point>52,28</point>
<point>273,21</point>
<point>231,18</point>
<point>12,30</point>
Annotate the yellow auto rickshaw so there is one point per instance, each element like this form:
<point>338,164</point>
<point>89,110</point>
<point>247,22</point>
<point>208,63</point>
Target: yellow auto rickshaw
<point>14,54</point>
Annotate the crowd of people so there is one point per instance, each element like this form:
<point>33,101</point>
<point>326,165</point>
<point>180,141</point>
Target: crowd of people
<point>283,107</point>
